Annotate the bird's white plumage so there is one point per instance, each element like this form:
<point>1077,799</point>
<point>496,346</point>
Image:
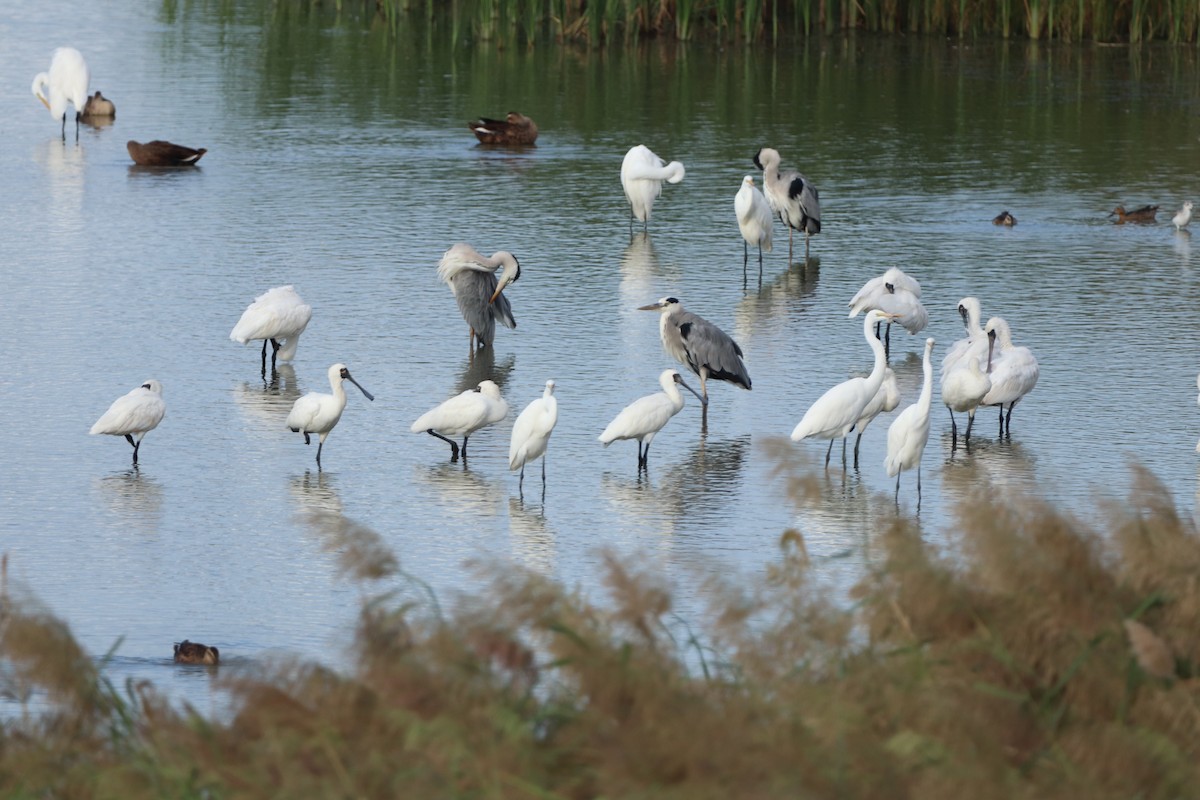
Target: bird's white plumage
<point>642,176</point>
<point>317,412</point>
<point>1183,216</point>
<point>66,82</point>
<point>909,432</point>
<point>465,413</point>
<point>754,216</point>
<point>133,414</point>
<point>976,341</point>
<point>965,386</point>
<point>531,432</point>
<point>646,416</point>
<point>893,275</point>
<point>885,400</point>
<point>896,293</point>
<point>278,313</point>
<point>1013,370</point>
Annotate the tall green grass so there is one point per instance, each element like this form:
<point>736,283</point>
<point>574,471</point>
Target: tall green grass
<point>1031,656</point>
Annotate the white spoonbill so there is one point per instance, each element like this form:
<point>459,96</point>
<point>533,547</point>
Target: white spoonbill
<point>647,415</point>
<point>1183,217</point>
<point>531,433</point>
<point>834,413</point>
<point>755,221</point>
<point>276,314</point>
<point>963,389</point>
<point>317,412</point>
<point>1013,371</point>
<point>896,293</point>
<point>66,82</point>
<point>791,195</point>
<point>975,342</point>
<point>462,415</point>
<point>699,345</point>
<point>885,400</point>
<point>472,279</point>
<point>133,415</point>
<point>909,433</point>
<point>642,176</point>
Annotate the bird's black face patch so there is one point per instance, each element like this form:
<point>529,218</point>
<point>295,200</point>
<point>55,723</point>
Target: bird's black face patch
<point>518,272</point>
<point>890,287</point>
<point>145,386</point>
<point>757,160</point>
<point>345,372</point>
<point>671,301</point>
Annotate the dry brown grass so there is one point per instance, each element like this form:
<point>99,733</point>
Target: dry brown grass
<point>1037,659</point>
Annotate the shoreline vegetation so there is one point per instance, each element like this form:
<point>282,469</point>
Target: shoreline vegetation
<point>596,22</point>
<point>1031,656</point>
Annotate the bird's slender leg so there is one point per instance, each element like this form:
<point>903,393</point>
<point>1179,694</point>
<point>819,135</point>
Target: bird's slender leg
<point>887,341</point>
<point>521,482</point>
<point>1002,420</point>
<point>790,232</point>
<point>828,453</point>
<point>320,444</point>
<point>953,428</point>
<point>274,354</point>
<point>806,238</point>
<point>918,482</point>
<point>759,264</point>
<point>970,422</point>
<point>64,127</point>
<point>307,441</point>
<point>897,487</point>
<point>857,442</point>
<point>264,358</point>
<point>844,453</point>
<point>1008,419</point>
<point>704,386</point>
<point>745,256</point>
<point>543,472</point>
<point>453,444</point>
<point>129,439</point>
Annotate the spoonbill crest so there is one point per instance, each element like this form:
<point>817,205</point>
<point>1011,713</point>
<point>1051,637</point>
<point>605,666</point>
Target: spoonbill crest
<point>699,345</point>
<point>1013,371</point>
<point>133,415</point>
<point>909,432</point>
<point>790,195</point>
<point>646,416</point>
<point>472,278</point>
<point>318,413</point>
<point>275,314</point>
<point>462,415</point>
<point>66,82</point>
<point>642,176</point>
<point>754,220</point>
<point>531,433</point>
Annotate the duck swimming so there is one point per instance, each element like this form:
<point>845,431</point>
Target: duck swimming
<point>516,128</point>
<point>195,653</point>
<point>163,154</point>
<point>1004,218</point>
<point>1143,214</point>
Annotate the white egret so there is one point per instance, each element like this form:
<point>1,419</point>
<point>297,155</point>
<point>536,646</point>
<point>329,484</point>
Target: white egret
<point>963,389</point>
<point>66,82</point>
<point>791,195</point>
<point>884,401</point>
<point>159,153</point>
<point>462,415</point>
<point>975,342</point>
<point>1183,216</point>
<point>909,432</point>
<point>1013,371</point>
<point>896,293</point>
<point>479,293</point>
<point>133,415</point>
<point>834,413</point>
<point>531,433</point>
<point>646,416</point>
<point>642,176</point>
<point>275,314</point>
<point>317,412</point>
<point>755,221</point>
<point>699,345</point>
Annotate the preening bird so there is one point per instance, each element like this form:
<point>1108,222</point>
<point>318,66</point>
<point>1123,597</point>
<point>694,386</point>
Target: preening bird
<point>896,293</point>
<point>646,416</point>
<point>1183,216</point>
<point>462,415</point>
<point>699,345</point>
<point>133,415</point>
<point>195,653</point>
<point>1004,218</point>
<point>318,413</point>
<point>963,388</point>
<point>99,106</point>
<point>885,400</point>
<point>1143,214</point>
<point>1013,371</point>
<point>479,293</point>
<point>909,432</point>
<point>515,128</point>
<point>163,154</point>
<point>66,82</point>
<point>531,433</point>
<point>642,176</point>
<point>276,314</point>
<point>834,413</point>
<point>791,195</point>
<point>975,342</point>
<point>755,221</point>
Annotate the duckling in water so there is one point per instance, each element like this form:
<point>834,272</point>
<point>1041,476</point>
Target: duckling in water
<point>163,154</point>
<point>1143,214</point>
<point>516,128</point>
<point>1004,218</point>
<point>195,653</point>
<point>99,106</point>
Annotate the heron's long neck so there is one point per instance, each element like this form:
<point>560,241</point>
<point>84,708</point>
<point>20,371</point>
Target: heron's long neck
<point>926,398</point>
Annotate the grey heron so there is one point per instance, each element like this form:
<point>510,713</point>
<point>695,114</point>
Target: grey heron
<point>462,415</point>
<point>317,412</point>
<point>1013,371</point>
<point>791,195</point>
<point>646,416</point>
<point>699,345</point>
<point>909,432</point>
<point>472,278</point>
<point>754,221</point>
<point>642,176</point>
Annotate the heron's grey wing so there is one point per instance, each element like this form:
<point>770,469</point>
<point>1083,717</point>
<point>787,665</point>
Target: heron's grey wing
<point>710,347</point>
<point>810,203</point>
<point>472,290</point>
<point>502,309</point>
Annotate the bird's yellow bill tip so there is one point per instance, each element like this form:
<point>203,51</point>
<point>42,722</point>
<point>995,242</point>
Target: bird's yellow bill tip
<point>651,307</point>
<point>495,294</point>
<point>45,102</point>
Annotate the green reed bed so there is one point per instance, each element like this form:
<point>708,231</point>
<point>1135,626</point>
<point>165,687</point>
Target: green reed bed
<point>1036,657</point>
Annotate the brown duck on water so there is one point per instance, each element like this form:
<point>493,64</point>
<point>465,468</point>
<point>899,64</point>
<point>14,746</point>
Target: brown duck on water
<point>163,154</point>
<point>1143,214</point>
<point>1004,218</point>
<point>195,653</point>
<point>514,129</point>
<point>99,106</point>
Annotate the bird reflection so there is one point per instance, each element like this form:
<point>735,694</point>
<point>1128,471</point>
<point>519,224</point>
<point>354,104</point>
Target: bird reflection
<point>705,484</point>
<point>992,465</point>
<point>463,492</point>
<point>315,493</point>
<point>533,540</point>
<point>837,516</point>
<point>783,301</point>
<point>269,401</point>
<point>638,504</point>
<point>134,498</point>
<point>1183,245</point>
<point>483,367</point>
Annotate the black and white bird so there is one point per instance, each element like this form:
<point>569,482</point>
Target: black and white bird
<point>699,345</point>
<point>472,279</point>
<point>790,195</point>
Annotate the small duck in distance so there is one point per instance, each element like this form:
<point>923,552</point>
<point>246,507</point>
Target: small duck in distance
<point>99,106</point>
<point>1004,218</point>
<point>1143,214</point>
<point>195,653</point>
<point>515,128</point>
<point>159,153</point>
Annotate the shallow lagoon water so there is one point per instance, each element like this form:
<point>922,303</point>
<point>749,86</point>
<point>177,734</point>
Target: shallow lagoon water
<point>339,162</point>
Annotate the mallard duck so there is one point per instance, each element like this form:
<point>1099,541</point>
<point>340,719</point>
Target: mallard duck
<point>1004,218</point>
<point>163,154</point>
<point>99,106</point>
<point>516,128</point>
<point>1143,214</point>
<point>195,653</point>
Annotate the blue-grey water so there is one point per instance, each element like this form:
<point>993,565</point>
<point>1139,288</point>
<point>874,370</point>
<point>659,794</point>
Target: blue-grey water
<point>339,162</point>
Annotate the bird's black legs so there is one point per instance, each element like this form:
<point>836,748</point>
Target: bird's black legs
<point>543,472</point>
<point>464,448</point>
<point>264,359</point>
<point>643,457</point>
<point>844,452</point>
<point>1002,420</point>
<point>319,446</point>
<point>790,232</point>
<point>970,422</point>
<point>135,445</point>
<point>953,428</point>
<point>897,488</point>
<point>274,355</point>
<point>307,441</point>
<point>759,265</point>
<point>1008,419</point>
<point>453,444</point>
<point>828,453</point>
<point>521,482</point>
<point>887,341</point>
<point>857,442</point>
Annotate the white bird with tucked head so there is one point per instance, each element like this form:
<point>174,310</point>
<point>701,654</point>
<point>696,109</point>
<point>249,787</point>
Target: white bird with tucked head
<point>963,389</point>
<point>133,415</point>
<point>642,176</point>
<point>317,412</point>
<point>462,415</point>
<point>276,314</point>
<point>531,433</point>
<point>896,293</point>
<point>472,278</point>
<point>909,433</point>
<point>755,221</point>
<point>646,416</point>
<point>1013,371</point>
<point>66,82</point>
